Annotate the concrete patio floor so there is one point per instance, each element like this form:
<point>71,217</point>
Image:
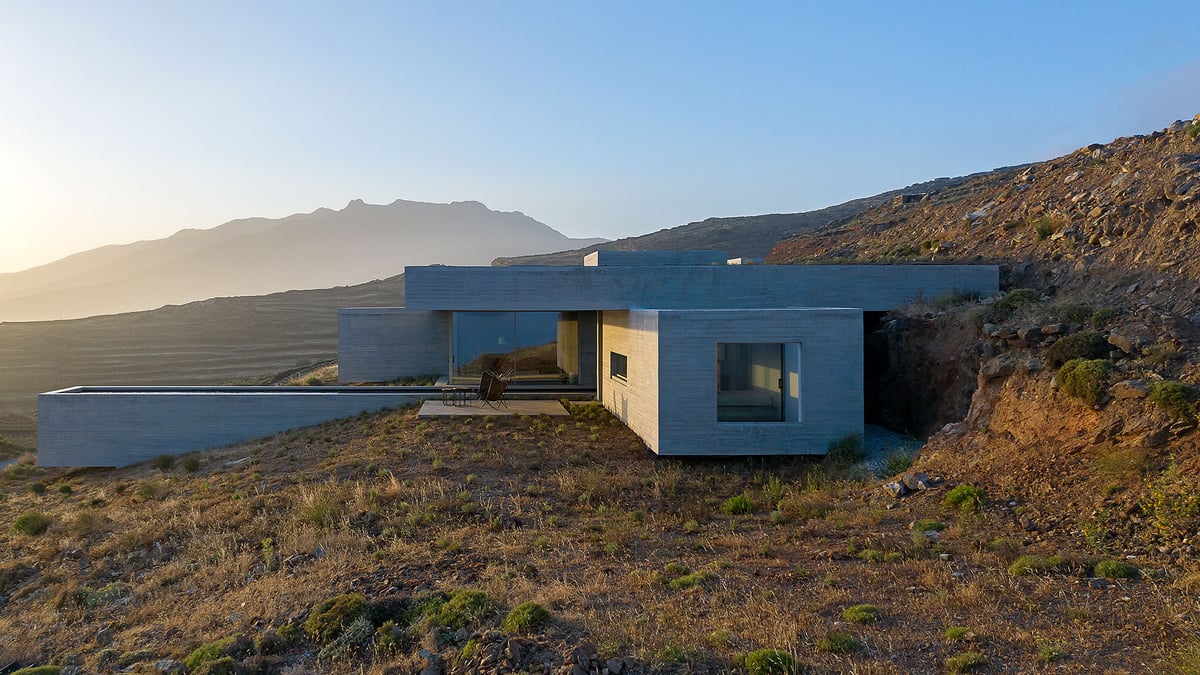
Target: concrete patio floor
<point>478,408</point>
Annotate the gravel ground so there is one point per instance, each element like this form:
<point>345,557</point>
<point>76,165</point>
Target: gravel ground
<point>880,443</point>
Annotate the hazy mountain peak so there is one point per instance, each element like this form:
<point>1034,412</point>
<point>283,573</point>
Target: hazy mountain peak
<point>252,256</point>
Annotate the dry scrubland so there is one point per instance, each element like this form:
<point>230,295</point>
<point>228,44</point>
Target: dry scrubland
<point>663,565</point>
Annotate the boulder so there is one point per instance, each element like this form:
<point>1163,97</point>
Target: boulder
<point>1127,389</point>
<point>895,489</point>
<point>917,481</point>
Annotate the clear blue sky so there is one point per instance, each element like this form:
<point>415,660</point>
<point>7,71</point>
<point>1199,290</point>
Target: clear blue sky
<point>130,120</point>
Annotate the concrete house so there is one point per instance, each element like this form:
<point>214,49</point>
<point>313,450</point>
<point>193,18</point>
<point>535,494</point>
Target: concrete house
<point>696,354</point>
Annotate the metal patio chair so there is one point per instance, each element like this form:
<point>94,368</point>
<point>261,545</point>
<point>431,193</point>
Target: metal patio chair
<point>491,389</point>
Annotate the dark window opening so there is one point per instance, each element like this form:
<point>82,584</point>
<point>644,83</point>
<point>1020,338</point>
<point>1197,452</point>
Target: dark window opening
<point>618,366</point>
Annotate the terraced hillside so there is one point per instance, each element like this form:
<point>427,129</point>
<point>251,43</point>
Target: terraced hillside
<point>209,342</point>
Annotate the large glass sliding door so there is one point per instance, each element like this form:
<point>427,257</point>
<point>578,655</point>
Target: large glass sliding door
<point>529,345</point>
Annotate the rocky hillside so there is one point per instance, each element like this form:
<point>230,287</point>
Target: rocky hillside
<point>1097,221</point>
<point>1071,398</point>
<point>741,236</point>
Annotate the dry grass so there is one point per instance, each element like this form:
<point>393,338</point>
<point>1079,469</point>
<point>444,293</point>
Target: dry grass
<point>593,530</point>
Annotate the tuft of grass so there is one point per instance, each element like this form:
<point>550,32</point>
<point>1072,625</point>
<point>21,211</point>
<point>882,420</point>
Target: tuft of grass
<point>965,662</point>
<point>191,463</point>
<point>525,618</point>
<point>957,633</point>
<point>1085,379</point>
<point>838,642</point>
<point>38,670</point>
<point>31,523</point>
<point>770,662</point>
<point>897,462</point>
<point>861,614</point>
<point>1035,564</point>
<point>844,453</point>
<point>1049,652</point>
<point>738,505</point>
<point>1117,569</point>
<point>164,462</point>
<point>966,498</point>
<point>207,654</point>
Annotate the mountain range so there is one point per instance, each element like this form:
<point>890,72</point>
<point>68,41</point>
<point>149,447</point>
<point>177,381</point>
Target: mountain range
<point>253,256</point>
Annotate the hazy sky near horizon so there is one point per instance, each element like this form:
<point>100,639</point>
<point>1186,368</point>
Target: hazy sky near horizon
<point>123,121</point>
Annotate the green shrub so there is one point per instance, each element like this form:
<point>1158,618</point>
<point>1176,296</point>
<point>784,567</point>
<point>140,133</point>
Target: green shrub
<point>964,662</point>
<point>270,642</point>
<point>927,524</point>
<point>525,618</point>
<point>957,633</point>
<point>65,490</point>
<point>738,505</point>
<point>966,498</point>
<point>1117,569</point>
<point>207,654</point>
<point>164,462</point>
<point>1015,299</point>
<point>1101,317</point>
<point>1083,345</point>
<point>1035,564</point>
<point>897,462</point>
<point>690,580</point>
<point>38,488</point>
<point>191,463</point>
<point>1085,379</point>
<point>31,523</point>
<point>1049,652</point>
<point>770,662</point>
<point>329,618</point>
<point>1175,398</point>
<point>38,670</point>
<point>837,642</point>
<point>463,608</point>
<point>861,614</point>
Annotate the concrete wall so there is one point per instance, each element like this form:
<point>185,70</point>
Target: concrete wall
<point>116,426</point>
<point>635,400</point>
<point>869,287</point>
<point>684,410</point>
<point>378,344</point>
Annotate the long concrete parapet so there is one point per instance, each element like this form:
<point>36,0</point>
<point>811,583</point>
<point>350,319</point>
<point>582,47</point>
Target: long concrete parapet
<point>117,426</point>
<point>871,288</point>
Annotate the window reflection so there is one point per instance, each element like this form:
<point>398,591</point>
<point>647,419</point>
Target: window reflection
<point>527,345</point>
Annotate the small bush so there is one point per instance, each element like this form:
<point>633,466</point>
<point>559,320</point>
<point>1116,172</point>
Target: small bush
<point>738,505</point>
<point>897,462</point>
<point>927,524</point>
<point>31,523</point>
<point>38,488</point>
<point>1017,298</point>
<point>1035,564</point>
<point>966,498</point>
<point>957,633</point>
<point>164,462</point>
<point>691,580</point>
<point>207,654</point>
<point>861,614</point>
<point>329,618</point>
<point>1085,379</point>
<point>38,670</point>
<point>1175,398</point>
<point>770,662</point>
<point>525,618</point>
<point>1117,569</point>
<point>464,608</point>
<point>191,463</point>
<point>1083,345</point>
<point>1049,652</point>
<point>964,662</point>
<point>837,642</point>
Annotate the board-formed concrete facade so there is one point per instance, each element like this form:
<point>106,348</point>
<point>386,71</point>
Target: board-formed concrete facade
<point>116,426</point>
<point>659,336</point>
<point>663,317</point>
